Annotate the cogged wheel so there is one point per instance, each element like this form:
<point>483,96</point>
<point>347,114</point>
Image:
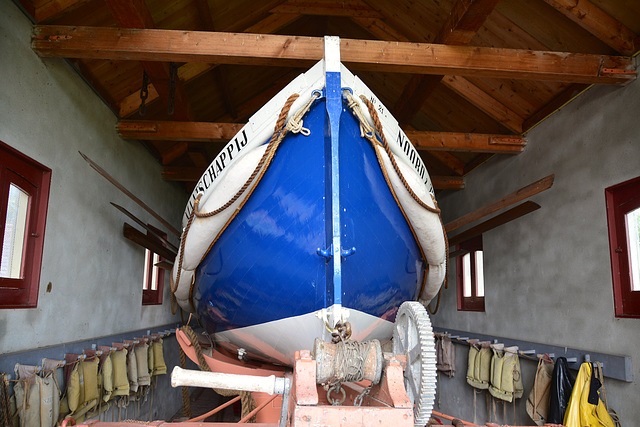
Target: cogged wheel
<point>413,337</point>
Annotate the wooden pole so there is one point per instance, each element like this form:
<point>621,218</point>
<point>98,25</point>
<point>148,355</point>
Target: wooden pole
<point>145,226</point>
<point>528,191</point>
<point>130,194</point>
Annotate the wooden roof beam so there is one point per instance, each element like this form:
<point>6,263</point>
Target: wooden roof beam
<point>348,8</point>
<point>52,9</point>
<point>218,132</point>
<point>462,24</point>
<point>599,23</point>
<point>484,102</point>
<point>374,55</point>
<point>186,72</point>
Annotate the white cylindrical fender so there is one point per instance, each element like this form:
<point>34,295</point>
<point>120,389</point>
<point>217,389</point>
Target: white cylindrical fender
<point>270,385</point>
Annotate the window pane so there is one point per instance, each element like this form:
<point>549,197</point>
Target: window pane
<point>154,278</point>
<point>14,233</point>
<point>479,274</point>
<point>633,237</point>
<point>145,278</point>
<point>466,275</point>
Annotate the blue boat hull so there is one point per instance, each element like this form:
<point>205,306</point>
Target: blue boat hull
<point>265,266</point>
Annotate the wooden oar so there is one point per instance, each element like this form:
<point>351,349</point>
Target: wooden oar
<point>130,194</point>
<point>145,226</point>
<point>528,191</point>
<point>494,222</point>
<point>143,240</point>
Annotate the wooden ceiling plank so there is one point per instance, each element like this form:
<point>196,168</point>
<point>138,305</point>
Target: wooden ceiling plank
<point>485,102</point>
<point>498,220</point>
<point>464,21</point>
<point>466,142</point>
<point>462,24</point>
<point>349,8</point>
<point>134,14</point>
<point>447,182</point>
<point>169,155</point>
<point>449,160</point>
<point>508,200</point>
<point>186,72</point>
<point>378,28</point>
<point>554,105</point>
<point>599,23</point>
<point>175,131</point>
<point>55,8</point>
<point>276,50</point>
<point>204,13</point>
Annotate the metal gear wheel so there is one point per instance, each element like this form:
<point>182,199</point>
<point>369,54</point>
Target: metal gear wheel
<point>413,337</point>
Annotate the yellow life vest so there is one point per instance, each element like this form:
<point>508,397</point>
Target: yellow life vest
<point>478,371</point>
<point>159,366</point>
<point>506,377</point>
<point>142,359</point>
<point>120,380</point>
<point>132,370</point>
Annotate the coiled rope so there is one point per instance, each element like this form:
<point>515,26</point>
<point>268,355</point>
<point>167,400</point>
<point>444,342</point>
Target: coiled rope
<point>350,360</point>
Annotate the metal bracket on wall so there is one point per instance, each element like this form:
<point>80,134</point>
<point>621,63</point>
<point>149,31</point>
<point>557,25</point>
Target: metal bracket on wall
<point>614,366</point>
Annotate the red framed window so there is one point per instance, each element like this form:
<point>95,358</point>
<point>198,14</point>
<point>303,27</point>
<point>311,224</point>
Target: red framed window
<point>153,280</point>
<point>24,198</point>
<point>470,275</point>
<point>623,219</point>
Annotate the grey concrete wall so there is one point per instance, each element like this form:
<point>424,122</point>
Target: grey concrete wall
<point>548,274</point>
<point>48,113</point>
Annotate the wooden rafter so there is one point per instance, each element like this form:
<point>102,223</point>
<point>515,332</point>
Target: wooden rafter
<point>349,8</point>
<point>134,14</point>
<point>49,10</point>
<point>484,102</point>
<point>217,132</point>
<point>276,50</point>
<point>599,23</point>
<point>450,161</point>
<point>172,131</point>
<point>186,72</point>
<point>466,142</point>
<point>465,19</point>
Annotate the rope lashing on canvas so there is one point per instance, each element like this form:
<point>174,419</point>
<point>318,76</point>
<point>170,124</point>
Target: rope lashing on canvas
<point>282,127</point>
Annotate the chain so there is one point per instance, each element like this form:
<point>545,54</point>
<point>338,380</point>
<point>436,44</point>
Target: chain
<point>341,332</point>
<point>173,70</point>
<point>335,388</point>
<point>144,93</point>
<point>357,401</point>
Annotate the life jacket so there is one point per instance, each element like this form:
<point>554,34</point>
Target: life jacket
<point>27,392</point>
<point>142,360</point>
<point>159,366</point>
<point>53,368</point>
<point>479,368</point>
<point>132,370</point>
<point>106,373</point>
<point>445,356</point>
<point>120,380</point>
<point>506,376</point>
